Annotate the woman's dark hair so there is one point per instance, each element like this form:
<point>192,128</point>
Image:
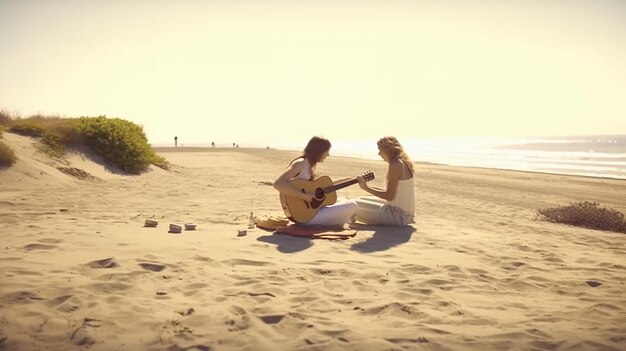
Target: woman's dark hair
<point>315,149</point>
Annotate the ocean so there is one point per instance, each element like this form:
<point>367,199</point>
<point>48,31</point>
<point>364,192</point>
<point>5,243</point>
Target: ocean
<point>594,156</point>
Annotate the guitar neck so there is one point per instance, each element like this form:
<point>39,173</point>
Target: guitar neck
<point>341,185</point>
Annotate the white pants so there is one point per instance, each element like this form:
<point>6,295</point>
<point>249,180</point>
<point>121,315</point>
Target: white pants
<point>334,215</point>
<point>373,210</point>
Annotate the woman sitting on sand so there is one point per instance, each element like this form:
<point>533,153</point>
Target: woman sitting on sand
<point>394,205</point>
<point>303,167</point>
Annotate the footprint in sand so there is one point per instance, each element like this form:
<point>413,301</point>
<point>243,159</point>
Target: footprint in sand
<point>67,308</point>
<point>425,291</point>
<point>203,259</point>
<point>50,241</point>
<point>238,324</point>
<point>187,312</point>
<point>553,259</point>
<point>82,335</point>
<point>321,271</point>
<point>593,283</point>
<point>195,286</point>
<point>395,308</point>
<point>59,303</point>
<point>60,299</point>
<point>272,319</point>
<point>39,247</point>
<point>243,262</point>
<point>152,267</point>
<point>19,297</point>
<point>409,341</point>
<point>103,263</point>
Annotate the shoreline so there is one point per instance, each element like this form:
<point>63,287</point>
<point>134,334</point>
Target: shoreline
<point>226,149</point>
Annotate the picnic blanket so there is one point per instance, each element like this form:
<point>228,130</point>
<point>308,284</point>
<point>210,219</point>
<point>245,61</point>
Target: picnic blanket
<point>329,233</point>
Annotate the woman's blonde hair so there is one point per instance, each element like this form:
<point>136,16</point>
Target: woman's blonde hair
<point>395,151</point>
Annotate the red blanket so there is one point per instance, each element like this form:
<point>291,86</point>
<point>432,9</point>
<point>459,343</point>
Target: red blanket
<point>317,233</point>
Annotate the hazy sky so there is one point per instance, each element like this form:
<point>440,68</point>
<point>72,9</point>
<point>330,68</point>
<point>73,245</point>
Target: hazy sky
<point>282,71</point>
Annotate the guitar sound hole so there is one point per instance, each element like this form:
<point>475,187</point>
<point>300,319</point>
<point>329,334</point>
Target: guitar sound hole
<point>319,193</point>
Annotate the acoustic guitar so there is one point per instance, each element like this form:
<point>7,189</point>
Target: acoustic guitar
<point>301,211</point>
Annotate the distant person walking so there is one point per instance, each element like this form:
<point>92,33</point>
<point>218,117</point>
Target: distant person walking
<point>175,141</point>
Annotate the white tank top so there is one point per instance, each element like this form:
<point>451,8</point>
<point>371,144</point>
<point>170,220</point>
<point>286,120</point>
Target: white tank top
<point>305,173</point>
<point>405,194</point>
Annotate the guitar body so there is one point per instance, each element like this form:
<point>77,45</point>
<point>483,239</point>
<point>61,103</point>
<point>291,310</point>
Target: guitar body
<point>301,211</point>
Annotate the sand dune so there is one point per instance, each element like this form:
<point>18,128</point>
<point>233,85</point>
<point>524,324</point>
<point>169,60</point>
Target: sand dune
<point>476,272</point>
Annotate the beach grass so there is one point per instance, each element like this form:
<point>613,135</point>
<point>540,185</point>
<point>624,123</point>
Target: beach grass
<point>7,155</point>
<point>121,143</point>
<point>7,116</point>
<point>585,214</point>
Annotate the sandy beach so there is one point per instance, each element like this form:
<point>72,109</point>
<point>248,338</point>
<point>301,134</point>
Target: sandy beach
<point>475,272</point>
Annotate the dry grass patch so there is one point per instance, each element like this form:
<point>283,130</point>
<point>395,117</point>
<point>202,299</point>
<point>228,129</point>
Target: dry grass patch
<point>7,116</point>
<point>585,214</point>
<point>7,155</point>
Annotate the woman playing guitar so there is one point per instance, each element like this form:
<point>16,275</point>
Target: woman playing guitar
<point>303,167</point>
<point>394,205</point>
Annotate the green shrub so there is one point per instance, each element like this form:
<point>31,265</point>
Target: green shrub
<point>52,144</point>
<point>67,129</point>
<point>7,156</point>
<point>585,214</point>
<point>27,128</point>
<point>121,143</point>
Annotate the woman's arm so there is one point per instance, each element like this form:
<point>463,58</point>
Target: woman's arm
<point>282,182</point>
<point>393,177</point>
